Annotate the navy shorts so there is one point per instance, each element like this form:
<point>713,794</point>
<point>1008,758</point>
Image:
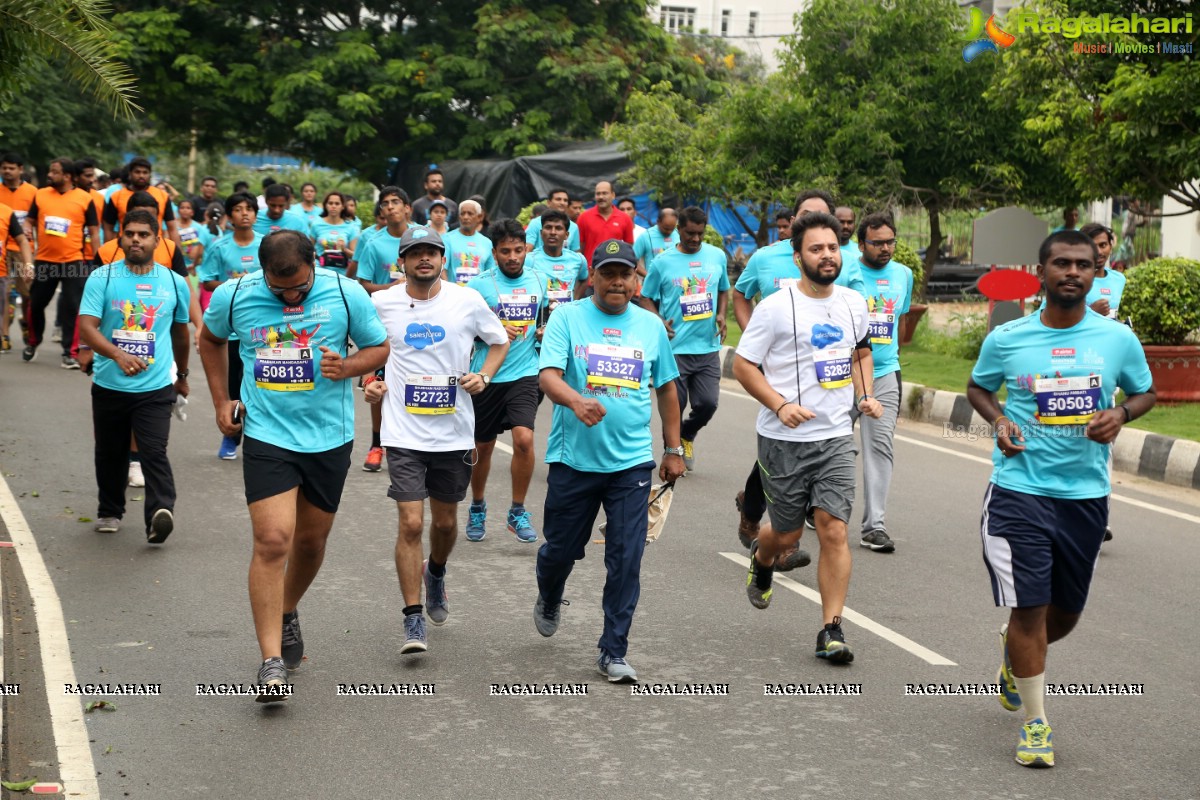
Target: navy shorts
<point>1041,550</point>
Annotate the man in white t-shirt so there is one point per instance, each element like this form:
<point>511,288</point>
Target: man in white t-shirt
<point>428,416</point>
<point>812,343</point>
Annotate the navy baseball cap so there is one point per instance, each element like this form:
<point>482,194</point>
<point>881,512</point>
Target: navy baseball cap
<point>614,251</point>
<point>415,236</point>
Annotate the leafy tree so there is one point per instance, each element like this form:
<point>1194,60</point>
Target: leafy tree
<point>55,121</point>
<point>1119,124</point>
<point>350,84</point>
<point>71,34</point>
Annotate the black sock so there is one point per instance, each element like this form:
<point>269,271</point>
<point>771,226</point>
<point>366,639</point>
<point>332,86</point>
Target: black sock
<point>134,457</point>
<point>436,570</point>
<point>375,439</point>
<point>762,575</point>
<point>410,610</point>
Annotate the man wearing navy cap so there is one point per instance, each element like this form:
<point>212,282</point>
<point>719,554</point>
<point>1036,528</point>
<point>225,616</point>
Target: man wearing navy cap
<point>599,359</point>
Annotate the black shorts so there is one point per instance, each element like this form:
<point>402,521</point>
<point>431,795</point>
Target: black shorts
<point>504,406</point>
<point>416,475</point>
<point>269,470</point>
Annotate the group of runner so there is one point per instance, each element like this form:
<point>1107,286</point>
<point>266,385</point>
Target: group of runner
<point>459,334</point>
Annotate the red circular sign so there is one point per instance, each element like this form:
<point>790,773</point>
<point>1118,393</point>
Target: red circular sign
<point>1008,284</point>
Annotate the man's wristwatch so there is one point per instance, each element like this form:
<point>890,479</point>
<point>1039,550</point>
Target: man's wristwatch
<point>487,379</point>
<point>673,451</point>
<point>182,374</point>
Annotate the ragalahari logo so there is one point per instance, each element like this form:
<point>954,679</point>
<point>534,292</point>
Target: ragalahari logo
<point>985,37</point>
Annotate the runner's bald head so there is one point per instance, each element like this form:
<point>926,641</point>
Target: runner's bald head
<point>283,253</point>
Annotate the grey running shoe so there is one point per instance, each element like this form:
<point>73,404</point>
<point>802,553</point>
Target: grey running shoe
<point>878,541</point>
<point>69,363</point>
<point>293,642</point>
<point>108,525</point>
<point>759,598</point>
<point>689,454</point>
<point>546,618</point>
<point>272,681</point>
<point>436,606</point>
<point>414,634</point>
<point>617,670</point>
<point>161,525</point>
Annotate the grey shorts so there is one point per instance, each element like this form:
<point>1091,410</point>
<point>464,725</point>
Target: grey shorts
<point>797,476</point>
<point>416,475</point>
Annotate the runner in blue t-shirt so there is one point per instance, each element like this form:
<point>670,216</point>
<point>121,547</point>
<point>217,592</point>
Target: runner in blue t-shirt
<point>559,200</point>
<point>888,291</point>
<point>662,236</point>
<point>335,233</point>
<point>517,295</point>
<point>688,286</point>
<point>378,266</point>
<point>468,250</point>
<point>565,270</point>
<point>770,269</point>
<point>599,360</point>
<point>134,316</point>
<point>277,216</point>
<point>294,323</point>
<point>1046,507</point>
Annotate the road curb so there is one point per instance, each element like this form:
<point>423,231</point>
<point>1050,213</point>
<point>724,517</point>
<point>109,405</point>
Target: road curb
<point>1148,455</point>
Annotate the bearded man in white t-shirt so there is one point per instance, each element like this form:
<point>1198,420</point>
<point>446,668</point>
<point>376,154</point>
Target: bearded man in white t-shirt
<point>813,347</point>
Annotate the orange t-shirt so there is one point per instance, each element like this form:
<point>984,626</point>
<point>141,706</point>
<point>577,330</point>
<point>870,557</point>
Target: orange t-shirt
<point>19,201</point>
<point>114,212</point>
<point>61,220</point>
<point>89,251</point>
<point>166,253</point>
<point>10,229</point>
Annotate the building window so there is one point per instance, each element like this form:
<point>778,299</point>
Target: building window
<point>726,21</point>
<point>677,19</point>
<point>752,26</point>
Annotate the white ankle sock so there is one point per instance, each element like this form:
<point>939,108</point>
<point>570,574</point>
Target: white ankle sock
<point>1033,696</point>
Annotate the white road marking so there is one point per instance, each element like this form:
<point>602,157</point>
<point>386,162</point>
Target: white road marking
<point>1170,512</point>
<point>504,447</point>
<point>76,768</point>
<point>850,615</point>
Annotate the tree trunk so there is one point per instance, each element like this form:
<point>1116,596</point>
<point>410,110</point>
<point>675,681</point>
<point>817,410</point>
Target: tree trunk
<point>764,226</point>
<point>935,242</point>
<point>191,178</point>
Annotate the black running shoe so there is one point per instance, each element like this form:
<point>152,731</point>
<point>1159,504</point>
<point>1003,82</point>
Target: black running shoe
<point>272,682</point>
<point>831,643</point>
<point>293,642</point>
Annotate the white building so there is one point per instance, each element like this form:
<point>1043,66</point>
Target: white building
<point>755,27</point>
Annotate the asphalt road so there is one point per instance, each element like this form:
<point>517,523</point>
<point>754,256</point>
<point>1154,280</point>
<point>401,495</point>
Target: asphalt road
<point>178,615</point>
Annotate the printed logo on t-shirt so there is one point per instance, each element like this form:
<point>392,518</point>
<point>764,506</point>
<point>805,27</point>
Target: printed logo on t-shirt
<point>421,336</point>
<point>825,335</point>
<point>143,289</point>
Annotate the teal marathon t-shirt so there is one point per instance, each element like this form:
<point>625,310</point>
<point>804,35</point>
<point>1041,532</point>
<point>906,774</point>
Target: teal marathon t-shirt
<point>136,313</point>
<point>533,235</point>
<point>288,221</point>
<point>379,259</point>
<point>773,267</point>
<point>515,301</point>
<point>328,236</point>
<point>651,243</point>
<point>685,287</point>
<point>467,256</point>
<point>562,273</point>
<point>1057,379</point>
<point>226,259</point>
<point>889,294</point>
<point>613,359</point>
<point>288,402</point>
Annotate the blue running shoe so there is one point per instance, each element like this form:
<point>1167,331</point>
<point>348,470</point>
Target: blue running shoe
<point>518,523</point>
<point>1009,697</point>
<point>414,634</point>
<point>476,517</point>
<point>228,449</point>
<point>1036,745</point>
<point>616,669</point>
<point>436,605</point>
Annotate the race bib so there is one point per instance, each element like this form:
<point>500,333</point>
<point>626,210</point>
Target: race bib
<point>881,327</point>
<point>833,367</point>
<point>784,284</point>
<point>1067,401</point>
<point>396,275</point>
<point>189,237</point>
<point>284,369</point>
<point>467,269</point>
<point>430,394</point>
<point>612,365</point>
<point>558,296</point>
<point>136,343</point>
<point>696,306</point>
<point>57,226</point>
<point>518,309</point>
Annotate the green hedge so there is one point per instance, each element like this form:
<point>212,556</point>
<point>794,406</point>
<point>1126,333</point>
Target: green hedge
<point>1162,296</point>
